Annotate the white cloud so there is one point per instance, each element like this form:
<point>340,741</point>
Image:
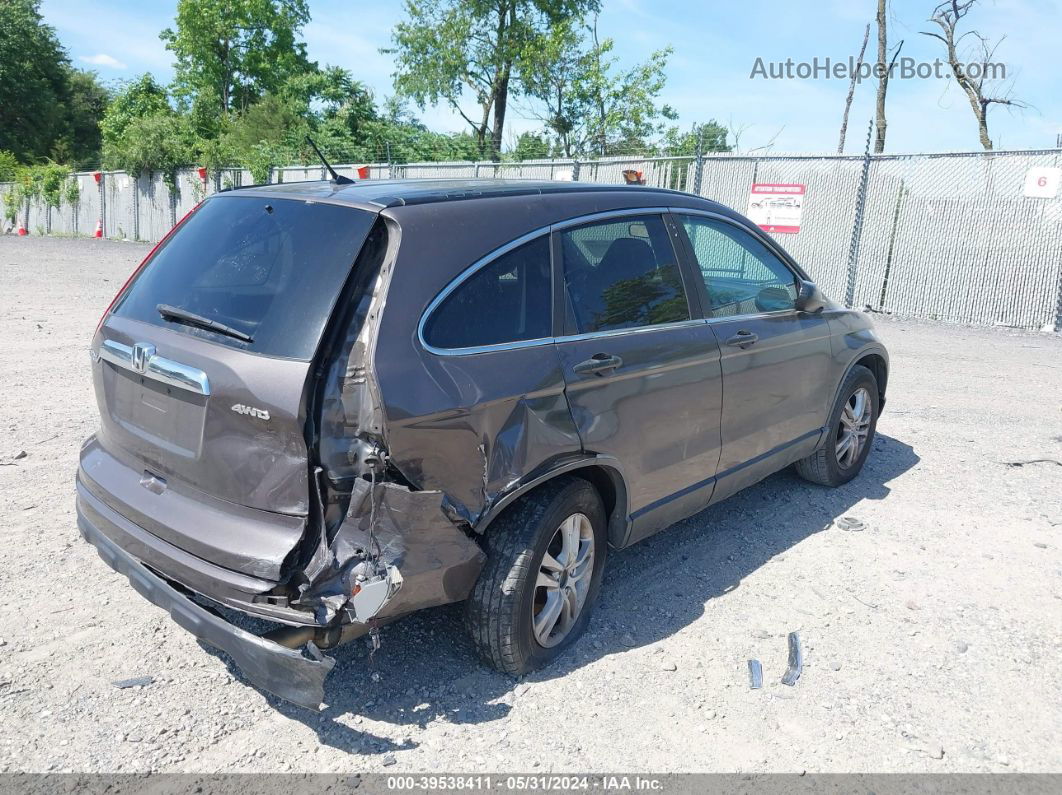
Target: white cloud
<point>102,59</point>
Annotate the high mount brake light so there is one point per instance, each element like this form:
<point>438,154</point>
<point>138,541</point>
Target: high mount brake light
<point>143,262</point>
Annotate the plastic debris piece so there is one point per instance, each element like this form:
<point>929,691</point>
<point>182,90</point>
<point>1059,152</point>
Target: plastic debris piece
<point>796,660</point>
<point>136,681</point>
<point>850,523</point>
<point>755,675</point>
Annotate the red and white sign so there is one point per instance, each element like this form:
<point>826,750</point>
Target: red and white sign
<point>776,207</point>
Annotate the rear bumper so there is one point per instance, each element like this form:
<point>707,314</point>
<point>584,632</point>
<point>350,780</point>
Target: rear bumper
<point>230,588</point>
<point>279,670</point>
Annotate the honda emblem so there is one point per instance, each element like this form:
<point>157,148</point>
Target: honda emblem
<point>142,353</point>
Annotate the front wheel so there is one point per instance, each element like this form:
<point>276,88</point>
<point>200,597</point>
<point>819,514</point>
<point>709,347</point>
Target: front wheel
<point>854,418</point>
<point>545,556</point>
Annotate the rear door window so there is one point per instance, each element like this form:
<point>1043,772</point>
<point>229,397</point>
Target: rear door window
<point>267,268</point>
<point>622,273</point>
<point>507,300</point>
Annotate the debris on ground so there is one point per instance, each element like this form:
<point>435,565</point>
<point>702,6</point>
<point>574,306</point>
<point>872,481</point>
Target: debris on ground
<point>755,675</point>
<point>796,660</point>
<point>849,523</point>
<point>1032,461</point>
<point>136,681</point>
<point>17,457</point>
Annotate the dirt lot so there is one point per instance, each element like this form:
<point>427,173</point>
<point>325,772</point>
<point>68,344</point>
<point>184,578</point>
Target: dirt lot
<point>933,637</point>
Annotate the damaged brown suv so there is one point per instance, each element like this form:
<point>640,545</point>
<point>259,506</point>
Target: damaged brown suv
<point>328,405</point>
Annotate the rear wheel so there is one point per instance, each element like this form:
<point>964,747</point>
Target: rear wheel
<point>854,418</point>
<point>545,556</point>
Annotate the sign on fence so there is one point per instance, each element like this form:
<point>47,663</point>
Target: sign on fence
<point>1042,183</point>
<point>776,207</point>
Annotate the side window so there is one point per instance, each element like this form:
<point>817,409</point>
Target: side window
<point>622,273</point>
<point>507,300</point>
<point>741,275</point>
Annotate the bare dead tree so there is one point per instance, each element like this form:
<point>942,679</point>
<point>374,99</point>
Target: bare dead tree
<point>883,77</point>
<point>981,89</point>
<point>735,131</point>
<point>851,90</point>
<point>883,71</point>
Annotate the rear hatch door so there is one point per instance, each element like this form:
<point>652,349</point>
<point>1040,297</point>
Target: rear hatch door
<point>200,372</point>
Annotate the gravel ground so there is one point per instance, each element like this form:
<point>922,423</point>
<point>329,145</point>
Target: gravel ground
<point>933,636</point>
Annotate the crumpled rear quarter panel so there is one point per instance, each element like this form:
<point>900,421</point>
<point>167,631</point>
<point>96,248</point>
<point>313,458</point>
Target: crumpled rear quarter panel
<point>470,426</point>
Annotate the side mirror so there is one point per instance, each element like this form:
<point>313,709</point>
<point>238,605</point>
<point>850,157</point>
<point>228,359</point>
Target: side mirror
<point>809,298</point>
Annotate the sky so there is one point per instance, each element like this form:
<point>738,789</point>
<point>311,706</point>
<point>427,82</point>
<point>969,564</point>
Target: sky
<point>710,75</point>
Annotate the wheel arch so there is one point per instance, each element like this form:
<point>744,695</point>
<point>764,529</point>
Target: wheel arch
<point>604,473</point>
<point>874,358</point>
<point>878,364</point>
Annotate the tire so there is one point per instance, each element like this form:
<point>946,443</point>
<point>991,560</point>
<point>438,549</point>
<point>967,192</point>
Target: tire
<point>827,466</point>
<point>500,612</point>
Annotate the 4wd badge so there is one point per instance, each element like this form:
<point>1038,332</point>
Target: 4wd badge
<point>251,411</point>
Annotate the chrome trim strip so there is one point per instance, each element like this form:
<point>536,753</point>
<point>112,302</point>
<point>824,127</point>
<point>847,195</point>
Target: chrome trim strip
<point>612,332</point>
<point>589,219</point>
<point>116,353</point>
<point>498,252</point>
<point>752,316</point>
<point>179,375</point>
<point>158,368</point>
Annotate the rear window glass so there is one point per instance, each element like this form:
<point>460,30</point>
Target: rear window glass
<point>508,300</point>
<point>270,269</point>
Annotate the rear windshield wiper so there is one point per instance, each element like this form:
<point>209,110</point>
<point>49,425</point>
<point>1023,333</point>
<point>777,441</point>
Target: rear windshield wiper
<point>192,319</point>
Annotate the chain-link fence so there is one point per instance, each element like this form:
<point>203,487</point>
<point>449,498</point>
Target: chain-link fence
<point>949,237</point>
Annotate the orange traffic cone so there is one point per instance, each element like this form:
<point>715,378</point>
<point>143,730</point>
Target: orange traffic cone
<point>22,230</point>
<point>99,229</point>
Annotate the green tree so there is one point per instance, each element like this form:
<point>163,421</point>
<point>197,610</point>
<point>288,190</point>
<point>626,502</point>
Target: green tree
<point>531,146</point>
<point>585,100</point>
<point>162,141</point>
<point>8,166</point>
<point>86,106</point>
<point>712,137</point>
<point>133,100</point>
<point>33,82</point>
<point>141,131</point>
<point>232,52</point>
<point>445,48</point>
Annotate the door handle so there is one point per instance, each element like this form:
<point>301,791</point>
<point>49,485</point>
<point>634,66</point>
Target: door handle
<point>598,364</point>
<point>743,339</point>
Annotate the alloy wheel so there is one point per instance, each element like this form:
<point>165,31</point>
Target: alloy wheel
<point>563,580</point>
<point>854,428</point>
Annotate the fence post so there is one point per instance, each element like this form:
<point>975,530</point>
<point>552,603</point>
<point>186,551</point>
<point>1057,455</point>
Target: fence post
<point>136,206</point>
<point>698,171</point>
<point>857,225</point>
<point>173,201</point>
<point>576,167</point>
<point>1058,305</point>
<point>103,203</point>
<point>390,163</point>
<point>475,170</point>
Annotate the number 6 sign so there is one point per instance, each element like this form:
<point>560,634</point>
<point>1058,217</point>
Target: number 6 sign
<point>1042,183</point>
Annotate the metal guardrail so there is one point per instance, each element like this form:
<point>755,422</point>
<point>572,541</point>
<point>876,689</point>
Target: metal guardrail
<point>949,237</point>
